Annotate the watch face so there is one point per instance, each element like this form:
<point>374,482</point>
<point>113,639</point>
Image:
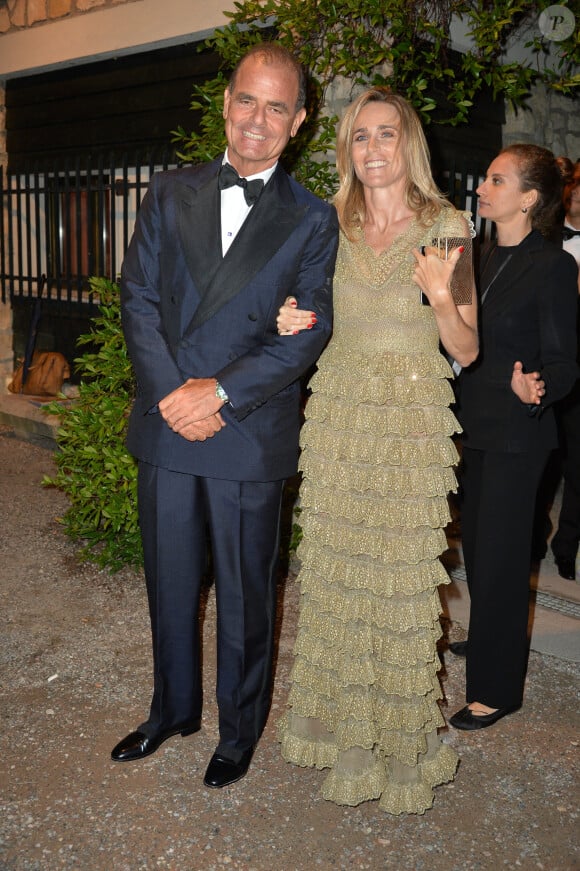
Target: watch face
<point>221,393</point>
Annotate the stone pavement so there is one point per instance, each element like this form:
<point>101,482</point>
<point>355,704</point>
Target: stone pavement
<point>75,677</point>
<point>554,609</point>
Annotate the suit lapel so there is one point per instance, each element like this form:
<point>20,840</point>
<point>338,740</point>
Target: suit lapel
<point>269,224</point>
<point>198,222</point>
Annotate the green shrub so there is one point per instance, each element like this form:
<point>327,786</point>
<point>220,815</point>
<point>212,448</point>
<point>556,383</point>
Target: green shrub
<point>94,468</point>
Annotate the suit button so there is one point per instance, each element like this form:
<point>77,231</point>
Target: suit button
<point>173,299</point>
<point>253,316</point>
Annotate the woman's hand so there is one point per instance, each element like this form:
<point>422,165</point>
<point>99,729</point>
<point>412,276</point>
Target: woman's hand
<point>291,319</point>
<point>527,386</point>
<point>433,273</point>
<point>457,324</point>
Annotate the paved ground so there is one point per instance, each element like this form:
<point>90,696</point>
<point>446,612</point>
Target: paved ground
<point>75,676</point>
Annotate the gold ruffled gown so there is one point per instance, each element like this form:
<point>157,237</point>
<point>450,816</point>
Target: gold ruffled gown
<point>377,460</point>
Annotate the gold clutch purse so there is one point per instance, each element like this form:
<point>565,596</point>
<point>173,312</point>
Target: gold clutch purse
<point>462,279</point>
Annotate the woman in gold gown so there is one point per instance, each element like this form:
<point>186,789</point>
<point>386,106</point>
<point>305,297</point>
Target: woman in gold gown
<point>377,464</point>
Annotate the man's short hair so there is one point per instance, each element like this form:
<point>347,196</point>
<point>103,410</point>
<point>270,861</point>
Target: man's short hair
<point>274,53</point>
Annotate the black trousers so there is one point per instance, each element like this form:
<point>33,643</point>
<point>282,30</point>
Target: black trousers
<point>565,541</point>
<point>243,518</point>
<point>499,493</point>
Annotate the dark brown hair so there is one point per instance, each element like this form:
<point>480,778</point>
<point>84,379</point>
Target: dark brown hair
<point>539,171</point>
<point>566,168</point>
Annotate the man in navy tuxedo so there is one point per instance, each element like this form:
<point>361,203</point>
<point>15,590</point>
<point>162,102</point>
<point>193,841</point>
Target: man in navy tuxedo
<point>216,250</point>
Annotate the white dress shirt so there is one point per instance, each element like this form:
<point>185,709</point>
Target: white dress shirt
<point>234,208</point>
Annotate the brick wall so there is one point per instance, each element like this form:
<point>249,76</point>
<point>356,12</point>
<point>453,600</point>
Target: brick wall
<point>549,119</point>
<point>17,14</point>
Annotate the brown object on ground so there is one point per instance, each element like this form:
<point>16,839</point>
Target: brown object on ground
<point>48,370</point>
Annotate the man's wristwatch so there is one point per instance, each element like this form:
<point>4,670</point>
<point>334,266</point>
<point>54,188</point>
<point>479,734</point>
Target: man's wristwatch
<point>221,393</point>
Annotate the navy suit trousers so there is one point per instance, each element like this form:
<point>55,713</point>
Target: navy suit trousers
<point>178,512</point>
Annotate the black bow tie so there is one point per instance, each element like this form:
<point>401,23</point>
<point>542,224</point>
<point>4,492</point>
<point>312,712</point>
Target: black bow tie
<point>569,233</point>
<point>228,177</point>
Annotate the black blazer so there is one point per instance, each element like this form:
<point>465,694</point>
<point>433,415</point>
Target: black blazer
<point>529,314</point>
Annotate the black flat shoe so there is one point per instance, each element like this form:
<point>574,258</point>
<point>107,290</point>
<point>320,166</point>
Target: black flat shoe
<point>137,745</point>
<point>222,771</point>
<point>459,648</point>
<point>466,719</point>
<point>567,569</point>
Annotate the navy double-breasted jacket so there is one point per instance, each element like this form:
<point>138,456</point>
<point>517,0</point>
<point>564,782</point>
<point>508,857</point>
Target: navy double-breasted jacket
<point>188,312</point>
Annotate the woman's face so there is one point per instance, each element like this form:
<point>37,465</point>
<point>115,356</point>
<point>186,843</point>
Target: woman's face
<point>376,150</point>
<point>500,197</point>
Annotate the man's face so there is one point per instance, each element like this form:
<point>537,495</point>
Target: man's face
<point>572,197</point>
<point>260,115</point>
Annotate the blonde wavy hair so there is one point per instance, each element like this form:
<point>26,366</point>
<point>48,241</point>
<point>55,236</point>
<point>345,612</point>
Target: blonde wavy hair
<point>422,195</point>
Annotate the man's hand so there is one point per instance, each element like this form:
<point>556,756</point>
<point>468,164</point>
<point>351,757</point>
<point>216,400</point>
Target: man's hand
<point>193,409</point>
<point>528,386</point>
<point>203,429</point>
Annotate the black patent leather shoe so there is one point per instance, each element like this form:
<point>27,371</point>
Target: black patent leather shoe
<point>222,771</point>
<point>138,745</point>
<point>567,569</point>
<point>467,720</point>
<point>459,648</point>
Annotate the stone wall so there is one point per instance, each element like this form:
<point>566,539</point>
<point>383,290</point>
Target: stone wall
<point>16,14</point>
<point>549,119</point>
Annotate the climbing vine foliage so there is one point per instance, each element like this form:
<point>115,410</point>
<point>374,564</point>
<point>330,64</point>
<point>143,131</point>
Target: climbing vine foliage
<point>405,44</point>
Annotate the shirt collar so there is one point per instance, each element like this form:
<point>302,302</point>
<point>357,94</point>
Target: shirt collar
<point>266,175</point>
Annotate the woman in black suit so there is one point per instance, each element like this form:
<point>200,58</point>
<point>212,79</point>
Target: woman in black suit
<point>527,362</point>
